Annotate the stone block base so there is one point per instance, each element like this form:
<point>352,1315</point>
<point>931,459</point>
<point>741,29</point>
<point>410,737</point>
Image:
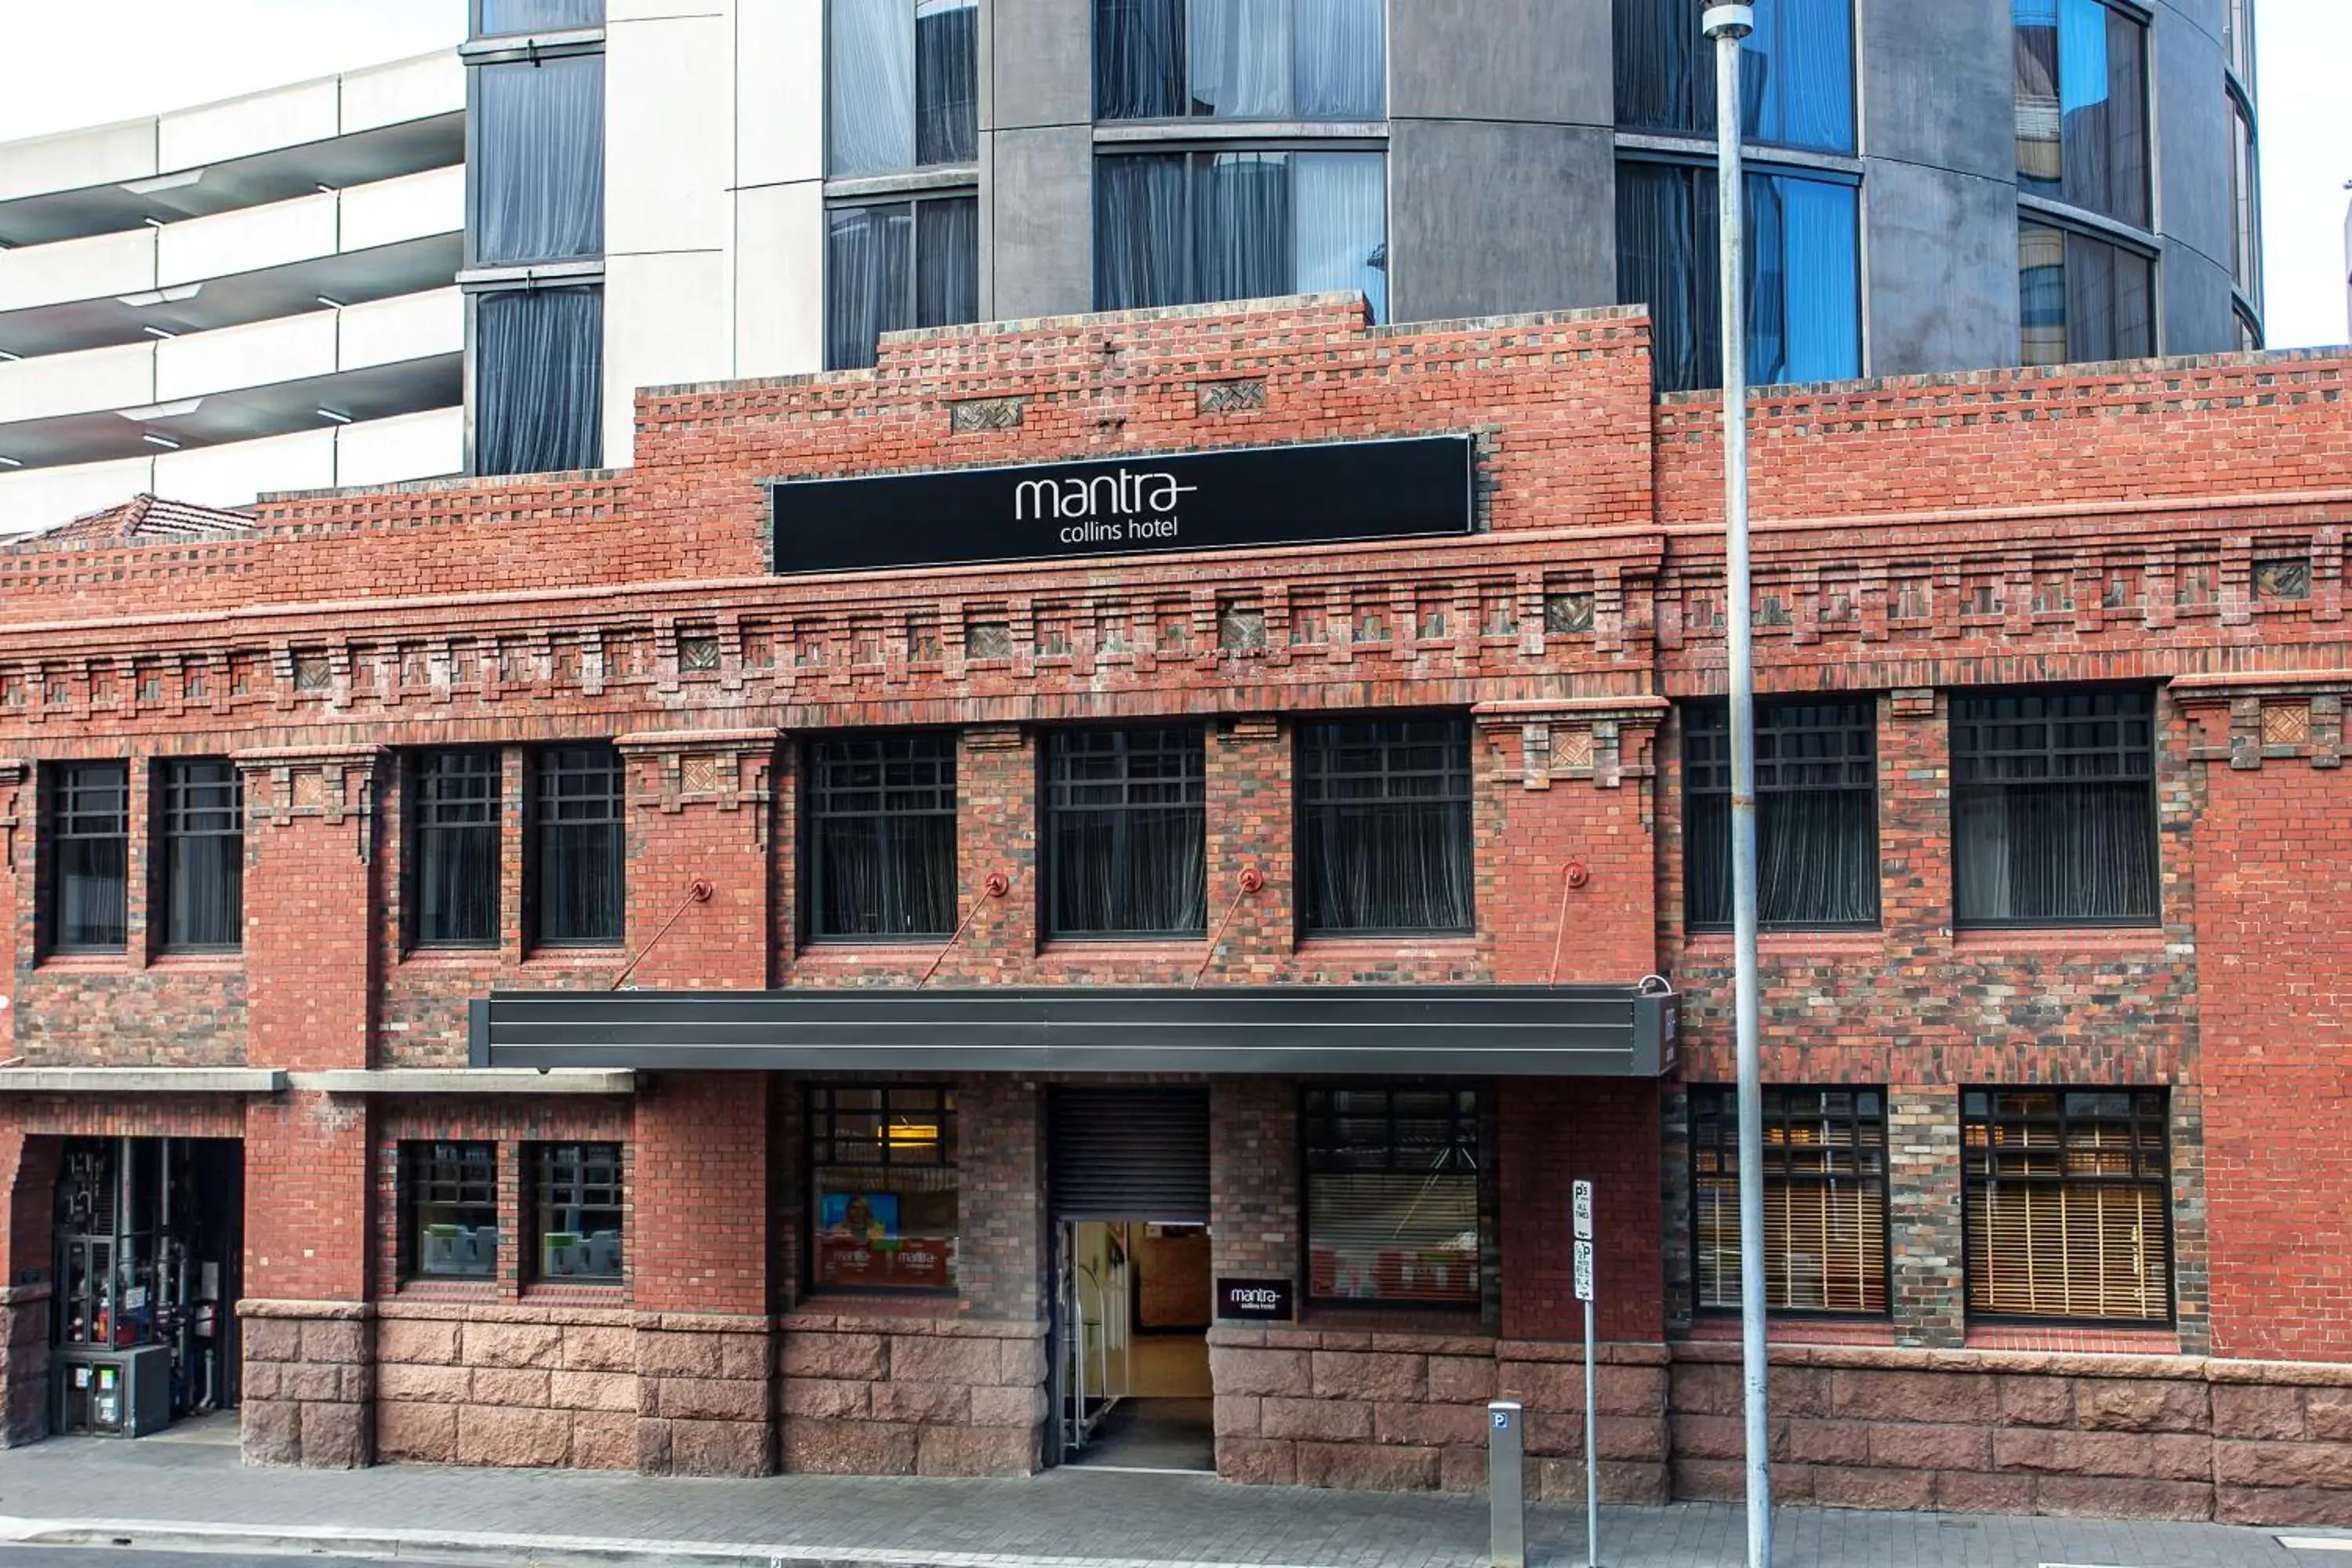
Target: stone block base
<point>24,1364</point>
<point>909,1396</point>
<point>309,1384</point>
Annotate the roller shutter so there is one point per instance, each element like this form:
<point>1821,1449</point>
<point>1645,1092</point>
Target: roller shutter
<point>1130,1153</point>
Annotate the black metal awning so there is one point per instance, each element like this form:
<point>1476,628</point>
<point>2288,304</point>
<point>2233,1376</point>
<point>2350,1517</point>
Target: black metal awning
<point>1591,1031</point>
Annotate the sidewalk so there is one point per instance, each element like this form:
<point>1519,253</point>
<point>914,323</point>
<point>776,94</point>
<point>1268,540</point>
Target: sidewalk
<point>189,1492</point>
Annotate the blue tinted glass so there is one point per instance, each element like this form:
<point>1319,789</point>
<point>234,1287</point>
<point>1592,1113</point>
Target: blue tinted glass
<point>1796,82</point>
<point>1805,312</point>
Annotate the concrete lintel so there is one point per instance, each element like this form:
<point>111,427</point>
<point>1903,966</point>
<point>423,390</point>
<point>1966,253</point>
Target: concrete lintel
<point>471,1080</point>
<point>142,1081</point>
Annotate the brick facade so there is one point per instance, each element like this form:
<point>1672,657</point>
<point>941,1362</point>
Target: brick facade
<point>2178,524</point>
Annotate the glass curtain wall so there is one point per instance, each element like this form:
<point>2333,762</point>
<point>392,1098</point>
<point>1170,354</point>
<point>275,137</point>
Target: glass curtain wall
<point>1804,271</point>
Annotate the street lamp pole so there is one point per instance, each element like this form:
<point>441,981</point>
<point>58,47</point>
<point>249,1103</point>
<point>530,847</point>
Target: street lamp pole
<point>1728,24</point>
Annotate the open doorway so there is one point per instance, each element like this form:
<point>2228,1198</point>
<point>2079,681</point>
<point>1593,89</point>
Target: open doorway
<point>1135,1313</point>
<point>150,1244</point>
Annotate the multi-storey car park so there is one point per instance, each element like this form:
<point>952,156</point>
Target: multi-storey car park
<point>1100,876</point>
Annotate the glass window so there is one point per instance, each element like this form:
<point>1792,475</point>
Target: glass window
<point>1384,824</point>
<point>1825,1199</point>
<point>537,169</point>
<point>882,1188</point>
<point>894,265</point>
<point>2065,1195</point>
<point>539,380</point>
<point>1195,229</point>
<point>2082,299</point>
<point>1804,269</point>
<point>1240,59</point>
<point>204,855</point>
<point>1126,832</point>
<point>455,823</point>
<point>2245,204</point>
<point>578,840</point>
<point>449,1206</point>
<point>89,844</point>
<point>1796,72</point>
<point>882,837</point>
<point>2053,808</point>
<point>2238,37</point>
<point>1392,1195</point>
<point>902,88</point>
<point>493,17</point>
<point>577,1213</point>
<point>2081,106</point>
<point>1816,812</point>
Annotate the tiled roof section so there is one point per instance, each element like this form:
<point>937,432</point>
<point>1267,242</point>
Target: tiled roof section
<point>142,519</point>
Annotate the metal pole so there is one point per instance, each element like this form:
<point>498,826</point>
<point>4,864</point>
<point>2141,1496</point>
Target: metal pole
<point>1728,24</point>
<point>1506,1509</point>
<point>1591,1445</point>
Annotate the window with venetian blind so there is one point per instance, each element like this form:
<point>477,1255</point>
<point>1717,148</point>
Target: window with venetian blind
<point>2066,1192</point>
<point>1392,1195</point>
<point>1825,1199</point>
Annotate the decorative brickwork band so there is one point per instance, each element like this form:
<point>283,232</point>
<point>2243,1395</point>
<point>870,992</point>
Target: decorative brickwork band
<point>731,770</point>
<point>1604,739</point>
<point>13,775</point>
<point>2248,720</point>
<point>327,783</point>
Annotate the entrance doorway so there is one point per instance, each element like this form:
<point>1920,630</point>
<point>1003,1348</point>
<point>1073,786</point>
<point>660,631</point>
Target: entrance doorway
<point>1128,1185</point>
<point>150,1244</point>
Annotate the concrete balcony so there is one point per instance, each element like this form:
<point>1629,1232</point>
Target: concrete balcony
<point>388,357</point>
<point>372,452</point>
<point>393,236</point>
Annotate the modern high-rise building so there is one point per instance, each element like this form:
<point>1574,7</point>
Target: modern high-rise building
<point>249,296</point>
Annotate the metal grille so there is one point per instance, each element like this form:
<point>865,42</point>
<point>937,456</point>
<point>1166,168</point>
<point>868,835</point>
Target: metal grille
<point>1825,1199</point>
<point>1128,826</point>
<point>1817,813</point>
<point>203,855</point>
<point>1385,825</point>
<point>455,819</point>
<point>579,1212</point>
<point>1393,1194</point>
<point>449,1195</point>
<point>579,810</point>
<point>2066,1192</point>
<point>90,830</point>
<point>2083,737</point>
<point>1130,1153</point>
<point>882,837</point>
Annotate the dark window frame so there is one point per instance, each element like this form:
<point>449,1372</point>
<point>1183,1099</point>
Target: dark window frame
<point>1769,735</point>
<point>914,107</point>
<point>2159,1184</point>
<point>2052,752</point>
<point>820,1114</point>
<point>2144,220</point>
<point>1306,769</point>
<point>1777,1097</point>
<point>1700,86</point>
<point>66,819</point>
<point>1473,1117</point>
<point>176,784</point>
<point>915,202</point>
<point>1195,152</point>
<point>490,458</point>
<point>449,1176</point>
<point>2072,233</point>
<point>546,824</point>
<point>1178,738</point>
<point>577,1169</point>
<point>823,793</point>
<point>421,833</point>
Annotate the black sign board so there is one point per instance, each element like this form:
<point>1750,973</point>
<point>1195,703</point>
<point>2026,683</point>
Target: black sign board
<point>1267,1300</point>
<point>1138,504</point>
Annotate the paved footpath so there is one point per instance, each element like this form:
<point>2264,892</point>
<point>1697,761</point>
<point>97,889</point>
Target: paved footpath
<point>191,1493</point>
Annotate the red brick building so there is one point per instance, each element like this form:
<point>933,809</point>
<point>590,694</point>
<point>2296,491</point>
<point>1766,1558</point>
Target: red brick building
<point>915,952</point>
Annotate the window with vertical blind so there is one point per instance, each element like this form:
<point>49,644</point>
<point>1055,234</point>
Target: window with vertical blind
<point>579,888</point>
<point>1825,1199</point>
<point>203,855</point>
<point>88,822</point>
<point>2066,1193</point>
<point>449,1210</point>
<point>1816,807</point>
<point>883,1187</point>
<point>1126,832</point>
<point>1392,1195</point>
<point>2053,808</point>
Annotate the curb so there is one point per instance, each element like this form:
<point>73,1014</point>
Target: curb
<point>467,1547</point>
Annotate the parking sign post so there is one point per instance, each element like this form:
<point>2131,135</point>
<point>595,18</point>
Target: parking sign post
<point>1583,1208</point>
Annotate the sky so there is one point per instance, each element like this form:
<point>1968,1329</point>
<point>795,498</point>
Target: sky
<point>94,61</point>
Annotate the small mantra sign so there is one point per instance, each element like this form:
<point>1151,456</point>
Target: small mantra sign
<point>1267,1301</point>
<point>1141,503</point>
